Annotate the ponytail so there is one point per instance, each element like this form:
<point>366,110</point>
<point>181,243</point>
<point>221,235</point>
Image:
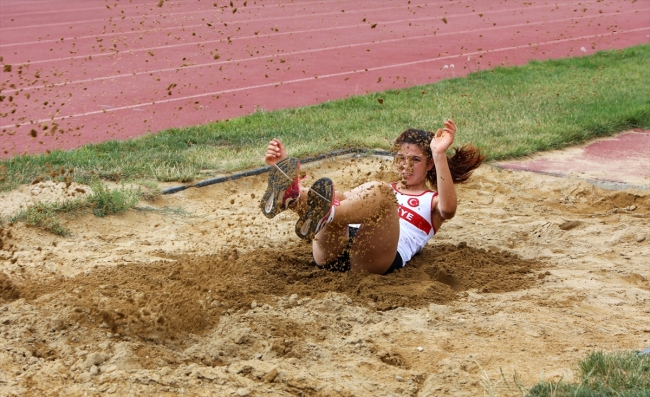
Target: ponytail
<point>462,163</point>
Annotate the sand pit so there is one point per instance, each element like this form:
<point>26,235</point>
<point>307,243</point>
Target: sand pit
<point>199,294</point>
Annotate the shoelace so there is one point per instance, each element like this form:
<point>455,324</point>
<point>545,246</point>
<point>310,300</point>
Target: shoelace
<point>288,177</point>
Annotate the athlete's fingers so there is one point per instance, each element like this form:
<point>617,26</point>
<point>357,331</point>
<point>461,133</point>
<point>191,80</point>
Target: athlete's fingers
<point>272,150</point>
<point>280,145</point>
<point>451,125</point>
<point>273,147</point>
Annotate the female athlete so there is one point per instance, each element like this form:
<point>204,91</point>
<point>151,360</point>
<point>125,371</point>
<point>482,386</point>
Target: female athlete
<point>376,227</point>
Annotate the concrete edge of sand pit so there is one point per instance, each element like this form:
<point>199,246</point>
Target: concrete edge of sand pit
<point>355,152</point>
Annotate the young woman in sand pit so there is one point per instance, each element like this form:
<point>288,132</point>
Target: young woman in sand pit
<point>376,227</point>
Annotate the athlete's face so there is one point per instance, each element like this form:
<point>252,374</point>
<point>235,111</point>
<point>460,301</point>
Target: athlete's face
<point>412,164</point>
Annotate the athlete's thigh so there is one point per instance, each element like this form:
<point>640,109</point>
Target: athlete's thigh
<point>360,190</point>
<point>330,243</point>
<point>375,246</point>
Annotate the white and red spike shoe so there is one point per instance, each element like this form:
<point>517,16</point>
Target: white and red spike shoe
<point>320,209</point>
<point>283,187</point>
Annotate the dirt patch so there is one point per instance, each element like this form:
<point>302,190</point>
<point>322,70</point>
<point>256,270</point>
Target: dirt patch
<point>167,300</point>
<point>5,242</point>
<point>8,290</point>
<point>40,192</point>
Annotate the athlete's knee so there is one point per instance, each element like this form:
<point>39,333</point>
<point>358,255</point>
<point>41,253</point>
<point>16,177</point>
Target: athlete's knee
<point>385,188</point>
<point>376,187</point>
<point>384,191</point>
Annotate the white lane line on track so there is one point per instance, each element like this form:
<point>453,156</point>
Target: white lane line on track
<point>195,12</point>
<point>183,27</point>
<point>249,21</point>
<point>148,4</point>
<point>49,12</point>
<point>268,35</point>
<point>371,69</point>
<point>40,2</point>
<point>314,50</point>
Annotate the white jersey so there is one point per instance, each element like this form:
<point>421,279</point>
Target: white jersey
<point>415,224</point>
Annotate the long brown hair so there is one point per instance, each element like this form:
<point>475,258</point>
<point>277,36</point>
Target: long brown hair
<point>462,162</point>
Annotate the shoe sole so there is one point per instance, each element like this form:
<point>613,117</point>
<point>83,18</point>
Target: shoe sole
<point>317,208</point>
<point>278,182</point>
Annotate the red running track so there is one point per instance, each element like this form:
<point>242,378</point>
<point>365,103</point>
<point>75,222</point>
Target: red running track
<point>86,71</point>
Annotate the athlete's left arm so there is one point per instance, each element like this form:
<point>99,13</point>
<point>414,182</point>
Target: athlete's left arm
<point>445,203</point>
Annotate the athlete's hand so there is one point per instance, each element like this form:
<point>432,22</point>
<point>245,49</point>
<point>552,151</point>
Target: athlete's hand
<point>443,138</point>
<point>275,152</point>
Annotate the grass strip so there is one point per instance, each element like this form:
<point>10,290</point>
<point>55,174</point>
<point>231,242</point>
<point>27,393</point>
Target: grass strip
<point>508,112</point>
<point>105,201</point>
<point>43,216</point>
<point>618,374</point>
<point>102,201</point>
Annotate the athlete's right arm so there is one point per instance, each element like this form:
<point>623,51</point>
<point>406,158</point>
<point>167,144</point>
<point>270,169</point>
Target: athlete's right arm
<point>275,152</point>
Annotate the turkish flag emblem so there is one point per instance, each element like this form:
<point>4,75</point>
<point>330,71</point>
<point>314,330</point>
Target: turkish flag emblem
<point>413,202</point>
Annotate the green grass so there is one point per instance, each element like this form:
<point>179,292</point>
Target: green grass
<point>620,374</point>
<point>43,216</point>
<point>149,190</point>
<point>102,201</point>
<point>508,112</point>
<point>105,201</point>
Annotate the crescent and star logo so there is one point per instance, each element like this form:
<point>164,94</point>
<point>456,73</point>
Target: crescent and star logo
<point>413,202</point>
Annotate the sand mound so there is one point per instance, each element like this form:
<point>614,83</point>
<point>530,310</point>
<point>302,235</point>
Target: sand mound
<point>159,300</point>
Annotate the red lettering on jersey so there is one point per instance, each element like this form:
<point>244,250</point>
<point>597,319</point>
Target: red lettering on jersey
<point>414,219</point>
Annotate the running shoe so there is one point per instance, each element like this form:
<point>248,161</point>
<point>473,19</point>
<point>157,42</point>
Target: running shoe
<point>283,188</point>
<point>319,209</point>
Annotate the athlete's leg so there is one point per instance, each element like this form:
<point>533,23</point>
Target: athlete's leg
<point>373,206</point>
<point>365,202</point>
<point>332,240</point>
<point>375,244</point>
